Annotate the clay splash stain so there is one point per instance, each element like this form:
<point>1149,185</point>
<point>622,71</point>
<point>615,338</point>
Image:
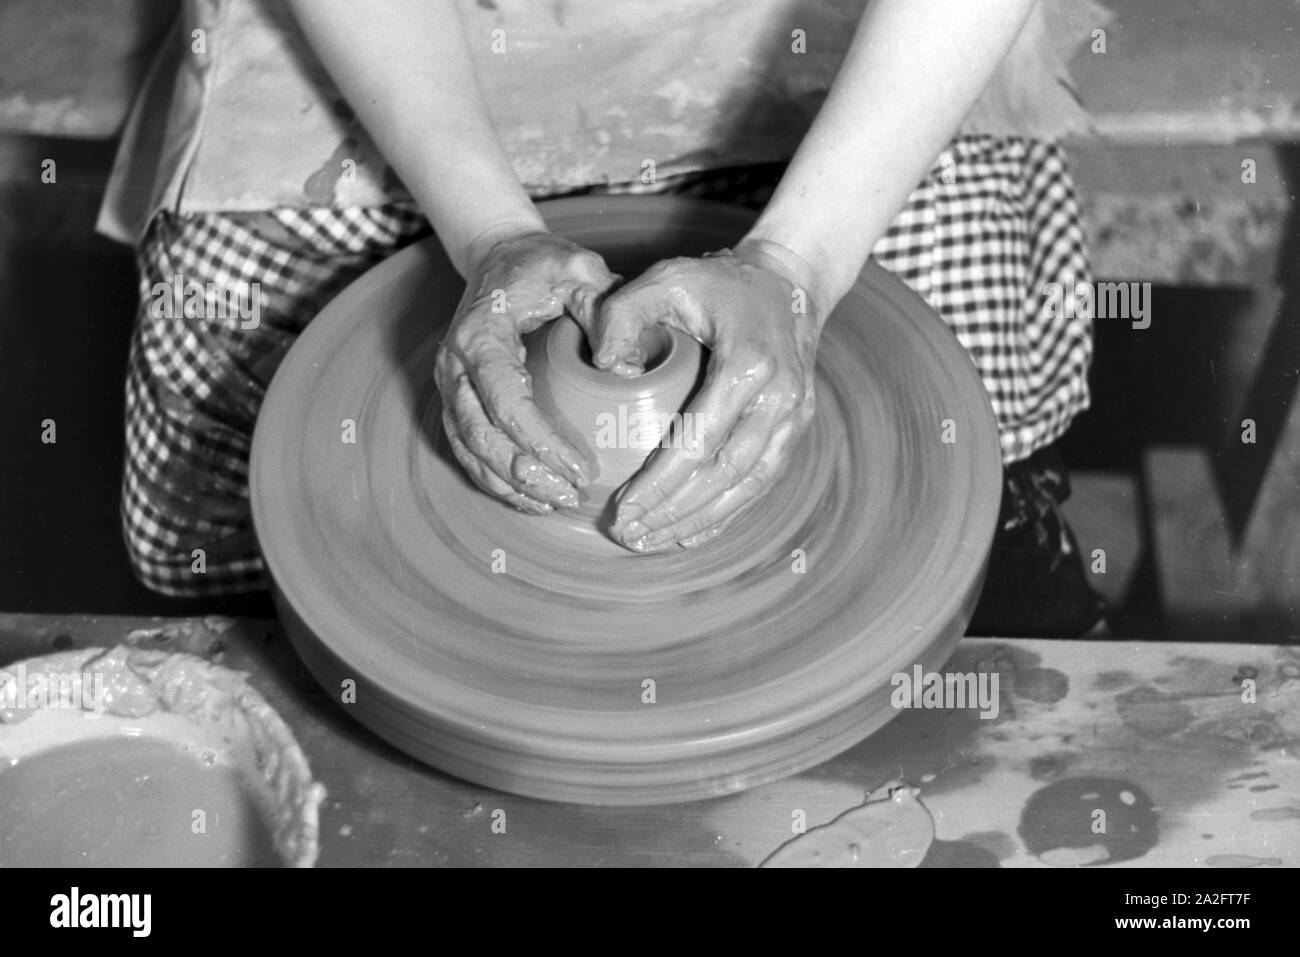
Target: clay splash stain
<point>1026,677</point>
<point>944,748</point>
<point>1153,713</point>
<point>1276,814</point>
<point>976,849</point>
<point>959,854</point>
<point>1044,685</point>
<point>319,187</point>
<point>1242,860</point>
<point>1058,821</point>
<point>1049,767</point>
<point>941,749</point>
<point>997,843</point>
<point>1111,680</point>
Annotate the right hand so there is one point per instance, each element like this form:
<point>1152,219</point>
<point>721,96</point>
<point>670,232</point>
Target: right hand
<point>506,443</point>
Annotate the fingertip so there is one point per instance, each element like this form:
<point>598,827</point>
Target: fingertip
<point>633,532</point>
<point>619,356</point>
<point>565,496</point>
<point>616,338</point>
<point>530,506</point>
<point>580,470</point>
<point>539,482</point>
<point>665,536</point>
<point>583,308</point>
<point>625,365</point>
<point>626,513</point>
<point>695,541</point>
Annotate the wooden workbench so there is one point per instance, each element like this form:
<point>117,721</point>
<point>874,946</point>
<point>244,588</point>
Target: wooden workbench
<point>1157,736</point>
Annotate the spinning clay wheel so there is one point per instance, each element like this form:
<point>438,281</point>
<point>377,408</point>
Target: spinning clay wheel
<point>535,655</point>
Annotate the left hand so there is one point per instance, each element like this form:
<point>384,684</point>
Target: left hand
<point>754,308</point>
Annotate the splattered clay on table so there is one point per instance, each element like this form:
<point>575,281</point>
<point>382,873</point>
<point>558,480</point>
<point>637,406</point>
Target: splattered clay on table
<point>891,830</point>
<point>1089,820</point>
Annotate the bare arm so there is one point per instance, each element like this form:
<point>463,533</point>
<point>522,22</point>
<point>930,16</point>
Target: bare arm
<point>405,68</point>
<point>912,73</point>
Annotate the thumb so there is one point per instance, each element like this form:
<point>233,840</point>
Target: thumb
<point>582,296</point>
<point>615,336</point>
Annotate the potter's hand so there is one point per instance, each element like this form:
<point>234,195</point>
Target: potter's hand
<point>752,307</point>
<point>503,440</point>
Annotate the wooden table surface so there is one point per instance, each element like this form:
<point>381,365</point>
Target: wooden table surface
<point>1162,739</point>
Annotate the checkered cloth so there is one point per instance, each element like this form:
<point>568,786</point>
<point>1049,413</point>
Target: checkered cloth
<point>993,223</point>
<point>980,240</point>
<point>195,384</point>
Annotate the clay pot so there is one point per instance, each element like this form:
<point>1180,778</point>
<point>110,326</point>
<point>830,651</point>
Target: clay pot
<point>617,421</point>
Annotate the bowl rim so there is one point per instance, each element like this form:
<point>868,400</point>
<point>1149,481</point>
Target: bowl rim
<point>205,694</point>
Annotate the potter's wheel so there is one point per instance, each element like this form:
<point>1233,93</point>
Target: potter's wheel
<point>535,677</point>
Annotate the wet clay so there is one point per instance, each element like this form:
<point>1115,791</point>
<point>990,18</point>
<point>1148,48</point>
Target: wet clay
<point>129,802</point>
<point>618,422</point>
<point>139,757</point>
<point>535,655</point>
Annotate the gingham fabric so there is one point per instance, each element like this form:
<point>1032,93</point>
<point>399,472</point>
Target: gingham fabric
<point>195,384</point>
<point>980,240</point>
<point>994,221</point>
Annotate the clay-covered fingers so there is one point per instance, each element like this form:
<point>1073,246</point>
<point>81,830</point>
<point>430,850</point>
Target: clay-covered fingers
<point>723,431</point>
<point>589,273</point>
<point>756,395</point>
<point>680,481</point>
<point>483,476</point>
<point>615,336</point>
<point>752,459</point>
<point>657,296</point>
<point>713,517</point>
<point>498,461</point>
<point>503,388</point>
<point>504,440</point>
<point>576,286</point>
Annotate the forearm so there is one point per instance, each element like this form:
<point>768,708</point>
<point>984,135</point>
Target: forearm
<point>911,75</point>
<point>405,69</point>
